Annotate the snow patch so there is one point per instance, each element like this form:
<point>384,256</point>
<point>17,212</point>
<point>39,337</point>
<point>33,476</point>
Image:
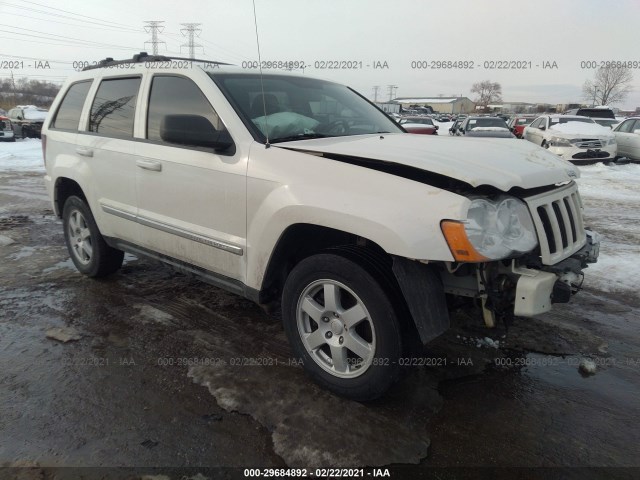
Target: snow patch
<point>22,155</point>
<point>149,313</point>
<point>4,241</point>
<point>303,437</point>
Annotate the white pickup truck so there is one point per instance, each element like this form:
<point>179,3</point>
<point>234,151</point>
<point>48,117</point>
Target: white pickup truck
<point>300,192</point>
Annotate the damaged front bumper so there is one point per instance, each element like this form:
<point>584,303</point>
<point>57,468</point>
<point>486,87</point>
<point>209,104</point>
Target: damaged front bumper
<point>538,289</point>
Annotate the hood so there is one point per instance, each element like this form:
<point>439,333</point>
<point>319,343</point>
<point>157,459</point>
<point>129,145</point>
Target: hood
<point>475,161</point>
<point>572,130</point>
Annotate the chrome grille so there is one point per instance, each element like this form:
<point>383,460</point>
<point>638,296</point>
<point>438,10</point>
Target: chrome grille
<point>557,217</point>
<point>587,143</point>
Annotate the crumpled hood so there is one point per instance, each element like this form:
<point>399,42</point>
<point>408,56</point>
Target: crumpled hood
<point>476,161</point>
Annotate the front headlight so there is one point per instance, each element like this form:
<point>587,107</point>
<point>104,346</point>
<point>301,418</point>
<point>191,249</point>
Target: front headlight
<point>494,229</point>
<point>559,142</point>
<point>612,141</point>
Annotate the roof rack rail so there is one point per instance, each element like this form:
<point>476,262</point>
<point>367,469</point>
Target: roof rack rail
<point>145,57</point>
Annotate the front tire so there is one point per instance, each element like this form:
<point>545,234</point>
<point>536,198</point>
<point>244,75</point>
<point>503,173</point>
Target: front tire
<point>343,325</point>
<point>87,248</point>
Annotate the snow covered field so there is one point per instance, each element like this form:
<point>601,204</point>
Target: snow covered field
<point>611,196</point>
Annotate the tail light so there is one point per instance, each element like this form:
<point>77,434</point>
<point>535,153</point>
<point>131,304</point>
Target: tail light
<point>44,149</point>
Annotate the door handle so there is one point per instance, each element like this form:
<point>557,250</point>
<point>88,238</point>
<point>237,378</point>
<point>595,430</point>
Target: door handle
<point>85,152</point>
<point>149,165</point>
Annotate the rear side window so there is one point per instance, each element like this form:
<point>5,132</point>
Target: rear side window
<point>173,95</point>
<point>68,115</point>
<point>114,107</point>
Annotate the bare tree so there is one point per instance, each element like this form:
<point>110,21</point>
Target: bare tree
<point>610,85</point>
<point>487,92</point>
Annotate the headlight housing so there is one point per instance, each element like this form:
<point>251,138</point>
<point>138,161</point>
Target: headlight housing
<point>559,142</point>
<point>494,229</point>
<point>611,141</point>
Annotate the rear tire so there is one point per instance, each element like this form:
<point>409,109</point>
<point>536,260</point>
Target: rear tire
<point>343,325</point>
<point>87,248</point>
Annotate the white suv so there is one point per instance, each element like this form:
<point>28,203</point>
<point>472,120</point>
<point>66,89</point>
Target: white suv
<point>300,192</point>
<point>577,139</point>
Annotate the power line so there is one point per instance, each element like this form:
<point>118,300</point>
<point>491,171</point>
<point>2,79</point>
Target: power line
<point>79,15</point>
<point>33,10</point>
<point>111,29</point>
<point>154,26</point>
<point>191,30</point>
<point>86,42</point>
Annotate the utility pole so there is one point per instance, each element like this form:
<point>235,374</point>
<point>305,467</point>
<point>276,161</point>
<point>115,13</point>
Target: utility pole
<point>190,31</point>
<point>13,85</point>
<point>154,27</point>
<point>375,93</point>
<point>595,92</point>
<point>391,90</point>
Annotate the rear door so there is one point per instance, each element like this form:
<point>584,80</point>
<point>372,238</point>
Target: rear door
<point>106,147</point>
<point>192,200</point>
<point>634,141</point>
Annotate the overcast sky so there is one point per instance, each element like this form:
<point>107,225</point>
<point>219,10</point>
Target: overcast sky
<point>393,31</point>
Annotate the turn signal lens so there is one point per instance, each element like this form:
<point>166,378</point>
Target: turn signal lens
<point>458,242</point>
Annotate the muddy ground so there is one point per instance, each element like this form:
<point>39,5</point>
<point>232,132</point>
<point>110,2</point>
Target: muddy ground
<point>154,373</point>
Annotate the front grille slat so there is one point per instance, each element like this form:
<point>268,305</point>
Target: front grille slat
<point>555,226</point>
<point>571,215</point>
<point>558,220</point>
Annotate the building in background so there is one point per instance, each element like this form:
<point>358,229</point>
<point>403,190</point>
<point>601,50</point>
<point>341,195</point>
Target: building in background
<point>439,104</point>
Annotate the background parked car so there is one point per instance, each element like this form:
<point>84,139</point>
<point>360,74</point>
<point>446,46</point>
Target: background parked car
<point>6,130</point>
<point>27,120</point>
<point>419,124</point>
<point>628,137</point>
<point>454,128</point>
<point>492,132</point>
<point>595,112</point>
<point>470,123</point>
<point>516,124</point>
<point>607,122</point>
<point>574,138</point>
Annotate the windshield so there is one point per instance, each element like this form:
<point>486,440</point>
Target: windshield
<point>555,121</point>
<point>298,108</point>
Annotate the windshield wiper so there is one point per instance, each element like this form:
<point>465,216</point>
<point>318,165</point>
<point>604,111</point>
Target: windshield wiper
<point>300,136</point>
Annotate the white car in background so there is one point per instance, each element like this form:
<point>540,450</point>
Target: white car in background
<point>628,137</point>
<point>574,138</point>
<point>607,122</point>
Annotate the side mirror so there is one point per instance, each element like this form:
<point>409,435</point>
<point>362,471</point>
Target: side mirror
<point>437,127</point>
<point>19,117</point>
<point>542,127</point>
<point>194,130</point>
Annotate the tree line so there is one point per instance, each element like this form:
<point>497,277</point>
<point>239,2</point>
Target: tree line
<point>23,91</point>
<point>610,85</point>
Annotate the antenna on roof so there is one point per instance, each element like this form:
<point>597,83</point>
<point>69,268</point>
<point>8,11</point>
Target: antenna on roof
<point>264,102</point>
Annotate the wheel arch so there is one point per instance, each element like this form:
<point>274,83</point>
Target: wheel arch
<point>63,189</point>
